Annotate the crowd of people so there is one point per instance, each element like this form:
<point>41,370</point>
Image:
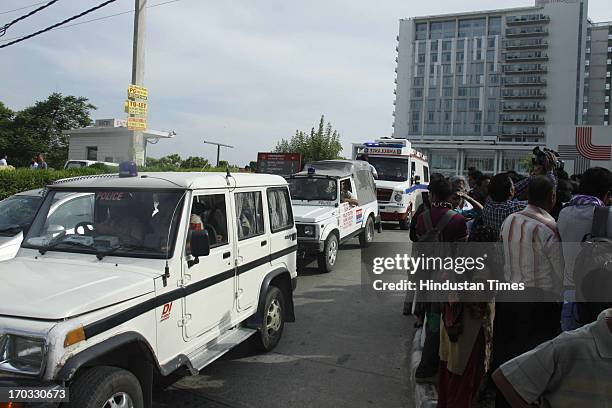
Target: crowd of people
<point>36,163</point>
<point>556,351</point>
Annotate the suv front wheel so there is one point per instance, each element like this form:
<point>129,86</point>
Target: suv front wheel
<point>106,387</point>
<point>273,321</point>
<point>327,259</point>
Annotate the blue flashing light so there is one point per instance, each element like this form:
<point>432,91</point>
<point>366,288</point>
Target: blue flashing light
<point>311,171</point>
<point>128,169</point>
<point>371,144</point>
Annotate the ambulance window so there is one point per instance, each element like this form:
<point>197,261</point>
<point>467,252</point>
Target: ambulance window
<point>208,212</point>
<point>412,169</point>
<point>249,215</point>
<point>426,174</point>
<point>281,216</point>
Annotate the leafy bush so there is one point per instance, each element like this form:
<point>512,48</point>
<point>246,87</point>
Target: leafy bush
<point>12,182</point>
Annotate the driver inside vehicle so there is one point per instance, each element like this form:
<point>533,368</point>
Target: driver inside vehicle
<point>346,193</point>
<point>122,220</point>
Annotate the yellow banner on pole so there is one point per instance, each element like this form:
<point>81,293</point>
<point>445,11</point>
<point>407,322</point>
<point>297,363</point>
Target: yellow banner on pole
<point>137,92</point>
<point>135,107</point>
<point>137,123</point>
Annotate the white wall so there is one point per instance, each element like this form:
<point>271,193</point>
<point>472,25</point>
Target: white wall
<point>115,145</point>
<point>405,68</point>
<point>562,64</point>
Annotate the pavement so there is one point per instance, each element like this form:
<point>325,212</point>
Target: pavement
<point>342,351</point>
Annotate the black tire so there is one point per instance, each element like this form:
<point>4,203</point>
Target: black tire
<point>405,224</point>
<point>367,235</point>
<point>327,259</point>
<point>273,321</point>
<point>94,387</point>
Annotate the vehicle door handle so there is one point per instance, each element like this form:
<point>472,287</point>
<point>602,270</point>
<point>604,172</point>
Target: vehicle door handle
<point>226,255</point>
<point>264,243</point>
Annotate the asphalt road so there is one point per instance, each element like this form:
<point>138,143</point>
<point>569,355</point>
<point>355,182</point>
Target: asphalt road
<point>343,351</point>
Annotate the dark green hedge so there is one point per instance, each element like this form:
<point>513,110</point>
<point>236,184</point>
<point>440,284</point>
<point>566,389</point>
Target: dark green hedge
<point>15,181</point>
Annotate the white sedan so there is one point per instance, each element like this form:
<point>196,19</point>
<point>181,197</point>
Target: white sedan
<point>17,213</point>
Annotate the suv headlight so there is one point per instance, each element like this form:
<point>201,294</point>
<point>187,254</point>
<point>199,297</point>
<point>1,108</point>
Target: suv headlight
<point>310,231</point>
<point>398,197</point>
<point>22,354</point>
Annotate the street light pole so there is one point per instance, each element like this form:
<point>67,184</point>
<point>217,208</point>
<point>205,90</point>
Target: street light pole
<point>218,148</point>
<point>138,61</point>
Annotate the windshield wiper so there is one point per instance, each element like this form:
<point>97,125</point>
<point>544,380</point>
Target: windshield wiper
<point>126,247</point>
<point>59,241</point>
<point>11,228</point>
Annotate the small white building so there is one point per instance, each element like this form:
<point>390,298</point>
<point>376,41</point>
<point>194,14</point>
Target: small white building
<point>109,140</point>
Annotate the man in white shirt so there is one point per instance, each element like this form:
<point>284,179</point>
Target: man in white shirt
<point>575,222</point>
<point>3,161</point>
<point>533,257</point>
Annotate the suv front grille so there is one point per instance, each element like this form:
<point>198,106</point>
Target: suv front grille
<point>384,194</point>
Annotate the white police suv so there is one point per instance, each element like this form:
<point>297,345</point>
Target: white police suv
<point>333,201</point>
<point>166,273</point>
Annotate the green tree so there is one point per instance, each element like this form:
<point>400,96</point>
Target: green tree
<point>194,162</point>
<point>173,160</point>
<point>6,121</point>
<point>321,144</point>
<point>39,128</point>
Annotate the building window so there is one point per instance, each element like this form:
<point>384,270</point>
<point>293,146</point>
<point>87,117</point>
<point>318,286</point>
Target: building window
<point>108,159</point>
<point>92,153</point>
<point>494,25</point>
<point>421,31</point>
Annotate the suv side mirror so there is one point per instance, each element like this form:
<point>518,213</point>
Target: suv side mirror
<point>417,179</point>
<point>200,243</point>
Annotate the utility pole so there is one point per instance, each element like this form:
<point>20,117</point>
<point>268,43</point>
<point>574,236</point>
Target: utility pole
<point>137,147</point>
<point>218,149</point>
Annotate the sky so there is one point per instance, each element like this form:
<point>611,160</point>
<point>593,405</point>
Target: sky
<point>240,72</point>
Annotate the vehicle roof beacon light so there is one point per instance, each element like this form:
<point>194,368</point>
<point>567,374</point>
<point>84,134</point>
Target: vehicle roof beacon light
<point>128,169</point>
<point>311,171</point>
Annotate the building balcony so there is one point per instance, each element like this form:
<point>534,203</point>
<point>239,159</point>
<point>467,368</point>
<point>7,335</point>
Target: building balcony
<point>524,108</point>
<point>523,45</point>
<point>519,84</point>
<point>508,133</point>
<point>520,138</point>
<point>525,58</point>
<point>526,33</point>
<point>510,70</point>
<point>528,19</point>
<point>522,121</point>
<point>540,95</point>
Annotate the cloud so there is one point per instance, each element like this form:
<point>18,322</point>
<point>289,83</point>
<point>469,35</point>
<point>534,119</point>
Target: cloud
<point>246,73</point>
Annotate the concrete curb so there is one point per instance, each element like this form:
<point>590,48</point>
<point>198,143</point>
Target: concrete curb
<point>425,395</point>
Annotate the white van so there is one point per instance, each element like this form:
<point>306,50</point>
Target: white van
<point>77,164</point>
<point>167,273</point>
<point>402,173</point>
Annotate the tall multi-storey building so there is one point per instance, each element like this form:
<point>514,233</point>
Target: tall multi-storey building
<point>481,89</point>
<point>598,68</point>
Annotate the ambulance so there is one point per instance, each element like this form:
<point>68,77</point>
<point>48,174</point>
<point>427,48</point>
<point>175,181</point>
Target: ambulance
<point>401,174</point>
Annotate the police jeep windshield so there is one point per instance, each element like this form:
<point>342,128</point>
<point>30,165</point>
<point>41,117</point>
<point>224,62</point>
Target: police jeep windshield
<point>390,168</point>
<point>313,188</point>
<point>117,222</point>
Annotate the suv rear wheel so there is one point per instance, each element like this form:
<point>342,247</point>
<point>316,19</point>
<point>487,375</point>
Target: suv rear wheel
<point>327,259</point>
<point>273,321</point>
<point>367,235</point>
<point>106,387</point>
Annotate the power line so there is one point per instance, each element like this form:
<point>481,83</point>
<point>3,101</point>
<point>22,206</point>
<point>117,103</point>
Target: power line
<point>97,19</point>
<point>21,8</point>
<point>44,30</point>
<point>31,13</point>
